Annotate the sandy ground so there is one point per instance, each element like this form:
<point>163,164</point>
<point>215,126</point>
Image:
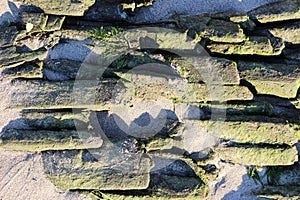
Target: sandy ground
<point>22,178</point>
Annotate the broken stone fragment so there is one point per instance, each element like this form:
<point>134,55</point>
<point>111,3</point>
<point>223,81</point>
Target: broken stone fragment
<point>37,22</point>
<point>114,166</point>
<point>54,23</point>
<point>201,69</point>
<point>34,21</point>
<point>9,57</point>
<point>235,129</point>
<point>42,140</point>
<point>274,79</point>
<point>62,7</point>
<point>176,178</point>
<point>194,23</point>
<point>258,156</point>
<point>27,70</point>
<point>277,11</point>
<point>169,179</point>
<point>255,45</point>
<point>289,33</point>
<point>103,11</point>
<point>223,31</point>
<point>244,21</point>
<point>7,35</point>
<point>216,30</point>
<point>35,41</point>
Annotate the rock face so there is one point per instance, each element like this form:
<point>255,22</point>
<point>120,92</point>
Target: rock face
<point>150,112</point>
<point>60,7</point>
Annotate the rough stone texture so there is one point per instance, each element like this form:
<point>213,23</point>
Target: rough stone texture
<point>43,140</point>
<point>10,57</point>
<point>288,33</point>
<point>258,156</point>
<point>278,11</point>
<point>276,79</point>
<point>201,69</point>
<point>280,192</point>
<point>142,114</point>
<point>7,35</point>
<point>106,12</point>
<point>61,7</point>
<point>255,45</point>
<point>112,169</point>
<point>26,70</point>
<point>222,31</point>
<point>37,41</point>
<point>37,22</point>
<point>254,132</point>
<point>220,93</point>
<point>37,94</point>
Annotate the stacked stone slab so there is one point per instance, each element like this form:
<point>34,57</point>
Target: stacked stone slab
<point>233,99</point>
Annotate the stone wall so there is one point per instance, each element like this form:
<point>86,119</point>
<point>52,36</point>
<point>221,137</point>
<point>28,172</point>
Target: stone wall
<point>131,109</point>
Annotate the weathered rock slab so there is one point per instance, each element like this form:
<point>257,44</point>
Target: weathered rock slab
<point>251,131</point>
<point>274,79</point>
<point>202,69</point>
<point>61,7</point>
<point>27,70</point>
<point>255,45</point>
<point>258,156</point>
<point>289,33</point>
<point>111,169</point>
<point>7,35</point>
<point>278,11</point>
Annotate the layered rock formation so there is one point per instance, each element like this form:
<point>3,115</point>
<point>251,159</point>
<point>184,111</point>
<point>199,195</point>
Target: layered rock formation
<point>133,111</point>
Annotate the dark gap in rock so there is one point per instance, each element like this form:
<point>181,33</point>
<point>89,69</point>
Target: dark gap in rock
<point>249,86</point>
<point>228,143</point>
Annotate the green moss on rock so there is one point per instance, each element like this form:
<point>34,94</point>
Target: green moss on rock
<point>107,168</point>
<point>258,156</point>
<point>255,45</point>
<point>43,140</point>
<point>261,131</point>
<point>223,31</point>
<point>61,7</point>
<point>274,79</point>
<point>200,69</point>
<point>9,57</point>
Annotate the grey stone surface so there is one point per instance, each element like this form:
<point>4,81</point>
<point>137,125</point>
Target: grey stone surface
<point>163,9</point>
